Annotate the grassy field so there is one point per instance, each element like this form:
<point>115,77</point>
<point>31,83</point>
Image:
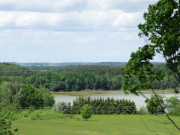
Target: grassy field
<point>99,125</point>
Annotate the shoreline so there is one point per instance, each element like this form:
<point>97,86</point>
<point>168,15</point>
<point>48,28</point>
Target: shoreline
<point>95,92</point>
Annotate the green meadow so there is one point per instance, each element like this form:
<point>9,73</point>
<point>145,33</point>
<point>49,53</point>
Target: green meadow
<point>100,125</point>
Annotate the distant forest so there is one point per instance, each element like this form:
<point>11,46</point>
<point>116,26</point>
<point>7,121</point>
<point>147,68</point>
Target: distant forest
<point>77,77</point>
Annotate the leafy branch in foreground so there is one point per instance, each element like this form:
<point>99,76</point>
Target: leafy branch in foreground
<point>161,31</point>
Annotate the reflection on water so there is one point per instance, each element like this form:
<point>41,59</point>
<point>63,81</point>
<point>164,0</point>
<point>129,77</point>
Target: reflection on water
<point>139,100</point>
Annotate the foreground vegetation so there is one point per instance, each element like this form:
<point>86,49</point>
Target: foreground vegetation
<point>99,125</point>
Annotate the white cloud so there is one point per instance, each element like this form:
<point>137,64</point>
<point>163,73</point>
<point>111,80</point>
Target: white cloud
<point>6,18</point>
<point>125,36</point>
<point>39,6</point>
<point>71,21</point>
<point>100,4</point>
<point>130,36</point>
<point>28,18</point>
<point>85,39</point>
<point>143,0</point>
<point>70,5</point>
<point>126,18</point>
<point>69,30</point>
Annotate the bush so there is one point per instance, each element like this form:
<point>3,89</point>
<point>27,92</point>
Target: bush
<point>36,115</point>
<point>44,114</point>
<point>142,110</point>
<point>6,116</point>
<point>47,97</point>
<point>62,107</point>
<point>5,128</point>
<point>155,105</point>
<point>173,106</point>
<point>86,111</point>
<point>31,97</point>
<point>25,114</point>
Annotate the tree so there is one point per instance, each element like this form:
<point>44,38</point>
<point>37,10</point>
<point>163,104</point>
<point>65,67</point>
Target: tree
<point>48,98</point>
<point>161,32</point>
<point>86,111</point>
<point>31,97</point>
<point>153,104</point>
<point>23,94</point>
<point>162,29</point>
<point>173,106</point>
<point>10,93</point>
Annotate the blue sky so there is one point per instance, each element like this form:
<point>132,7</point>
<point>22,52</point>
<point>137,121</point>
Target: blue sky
<point>70,30</point>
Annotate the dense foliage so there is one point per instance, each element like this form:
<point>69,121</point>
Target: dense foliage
<point>5,127</point>
<point>161,31</point>
<point>105,106</point>
<point>76,78</point>
<point>6,118</point>
<point>94,80</point>
<point>162,34</point>
<point>154,104</point>
<point>173,105</point>
<point>98,106</point>
<point>24,95</point>
<point>13,73</point>
<point>70,81</point>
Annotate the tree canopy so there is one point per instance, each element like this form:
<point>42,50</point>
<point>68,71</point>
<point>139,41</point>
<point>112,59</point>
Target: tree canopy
<point>24,95</point>
<point>161,30</point>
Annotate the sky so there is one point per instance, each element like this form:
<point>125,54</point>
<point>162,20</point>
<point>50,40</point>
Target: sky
<point>58,31</point>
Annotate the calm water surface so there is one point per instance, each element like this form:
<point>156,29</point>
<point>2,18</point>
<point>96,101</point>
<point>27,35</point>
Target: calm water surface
<point>139,100</point>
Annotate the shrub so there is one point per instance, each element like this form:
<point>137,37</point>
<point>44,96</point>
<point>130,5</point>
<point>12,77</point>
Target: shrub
<point>6,114</point>
<point>47,97</point>
<point>25,114</point>
<point>142,110</point>
<point>6,117</point>
<point>155,104</point>
<point>31,97</point>
<point>36,115</point>
<point>173,106</point>
<point>5,127</point>
<point>62,107</point>
<point>86,111</point>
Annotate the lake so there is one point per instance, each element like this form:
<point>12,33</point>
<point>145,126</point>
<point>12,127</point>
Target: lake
<point>139,100</point>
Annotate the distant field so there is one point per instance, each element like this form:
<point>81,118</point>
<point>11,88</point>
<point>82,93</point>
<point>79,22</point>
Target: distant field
<point>88,93</point>
<point>99,125</point>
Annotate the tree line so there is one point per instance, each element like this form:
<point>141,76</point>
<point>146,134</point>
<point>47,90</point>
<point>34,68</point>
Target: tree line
<point>105,106</point>
<point>72,81</point>
<point>77,78</point>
